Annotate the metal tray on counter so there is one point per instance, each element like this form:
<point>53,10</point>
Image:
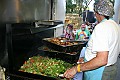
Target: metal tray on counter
<point>64,48</point>
<point>68,57</point>
<point>20,75</point>
<point>46,49</point>
<point>32,76</point>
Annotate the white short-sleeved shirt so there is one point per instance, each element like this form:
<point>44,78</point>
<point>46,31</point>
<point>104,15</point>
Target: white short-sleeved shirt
<point>105,37</point>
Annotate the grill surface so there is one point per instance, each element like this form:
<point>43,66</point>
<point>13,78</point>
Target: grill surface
<point>25,46</point>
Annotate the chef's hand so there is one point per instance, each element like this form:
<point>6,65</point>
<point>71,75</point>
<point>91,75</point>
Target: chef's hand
<point>70,72</point>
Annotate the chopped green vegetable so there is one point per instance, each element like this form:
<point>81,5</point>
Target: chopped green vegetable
<point>45,66</point>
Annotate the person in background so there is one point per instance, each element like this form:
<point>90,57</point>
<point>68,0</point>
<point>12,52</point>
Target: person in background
<point>89,26</point>
<point>68,32</point>
<point>82,33</point>
<point>103,47</point>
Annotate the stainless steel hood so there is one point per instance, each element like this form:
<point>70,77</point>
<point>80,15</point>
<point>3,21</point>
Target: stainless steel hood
<point>17,11</point>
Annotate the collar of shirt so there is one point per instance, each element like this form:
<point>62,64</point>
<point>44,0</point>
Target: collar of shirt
<point>103,20</point>
<point>106,19</point>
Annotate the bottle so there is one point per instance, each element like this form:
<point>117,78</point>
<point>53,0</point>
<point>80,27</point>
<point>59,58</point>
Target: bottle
<point>2,73</point>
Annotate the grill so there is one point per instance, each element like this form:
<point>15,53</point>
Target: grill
<point>22,45</point>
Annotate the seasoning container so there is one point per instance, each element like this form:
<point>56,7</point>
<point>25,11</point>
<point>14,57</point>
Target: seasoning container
<point>2,73</point>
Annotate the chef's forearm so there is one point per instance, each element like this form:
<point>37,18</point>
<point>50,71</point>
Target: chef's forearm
<point>90,65</point>
<point>94,63</point>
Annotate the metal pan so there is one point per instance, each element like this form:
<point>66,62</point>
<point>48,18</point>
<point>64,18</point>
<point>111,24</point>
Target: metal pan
<point>64,48</point>
<point>46,49</point>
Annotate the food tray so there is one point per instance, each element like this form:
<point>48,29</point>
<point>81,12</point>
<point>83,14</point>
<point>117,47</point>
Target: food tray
<point>19,75</point>
<point>46,49</point>
<point>64,48</point>
<point>68,57</point>
<point>45,66</point>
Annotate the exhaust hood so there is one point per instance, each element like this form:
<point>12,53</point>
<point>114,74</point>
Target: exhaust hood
<point>17,11</point>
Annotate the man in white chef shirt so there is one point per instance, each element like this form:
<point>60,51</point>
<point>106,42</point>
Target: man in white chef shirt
<point>103,43</point>
<point>103,47</point>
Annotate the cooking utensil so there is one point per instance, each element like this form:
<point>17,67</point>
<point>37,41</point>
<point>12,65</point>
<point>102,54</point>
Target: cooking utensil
<point>61,75</point>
